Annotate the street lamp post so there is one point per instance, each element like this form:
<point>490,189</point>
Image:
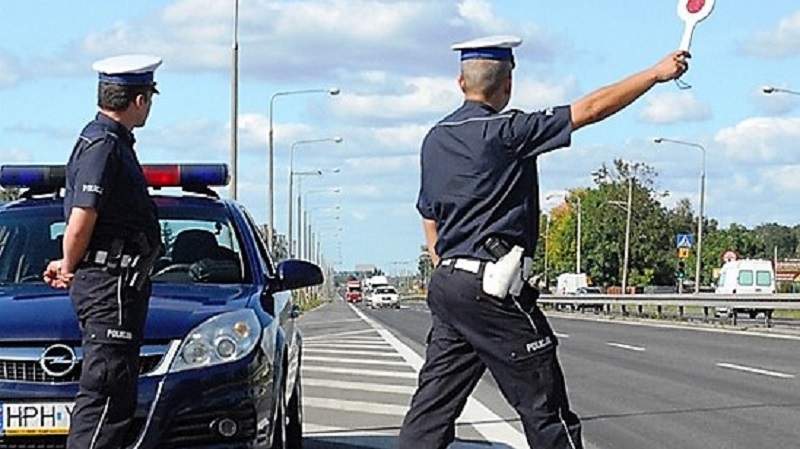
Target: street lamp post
<point>702,205</point>
<point>628,210</point>
<point>292,173</point>
<point>271,193</point>
<point>303,224</point>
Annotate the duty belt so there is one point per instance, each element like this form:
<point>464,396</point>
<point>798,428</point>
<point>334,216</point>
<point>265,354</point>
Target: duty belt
<point>101,257</point>
<point>470,265</point>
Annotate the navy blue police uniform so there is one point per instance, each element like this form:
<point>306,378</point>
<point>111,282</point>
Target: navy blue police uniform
<point>104,174</point>
<point>479,181</point>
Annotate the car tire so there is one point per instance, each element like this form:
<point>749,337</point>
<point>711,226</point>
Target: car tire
<point>279,422</point>
<point>294,416</point>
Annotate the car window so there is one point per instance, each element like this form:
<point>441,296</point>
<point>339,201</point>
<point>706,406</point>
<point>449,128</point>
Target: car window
<point>746,277</point>
<point>386,290</point>
<point>28,243</point>
<point>763,278</point>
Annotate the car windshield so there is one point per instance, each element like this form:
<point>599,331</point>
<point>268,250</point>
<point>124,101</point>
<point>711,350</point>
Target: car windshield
<point>385,290</point>
<point>199,247</point>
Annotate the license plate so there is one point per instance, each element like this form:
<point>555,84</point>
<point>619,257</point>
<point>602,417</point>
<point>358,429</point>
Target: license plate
<point>43,418</point>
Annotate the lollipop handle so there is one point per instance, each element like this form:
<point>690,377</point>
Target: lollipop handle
<point>686,40</point>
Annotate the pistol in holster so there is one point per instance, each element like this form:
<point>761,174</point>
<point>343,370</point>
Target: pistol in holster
<point>141,264</point>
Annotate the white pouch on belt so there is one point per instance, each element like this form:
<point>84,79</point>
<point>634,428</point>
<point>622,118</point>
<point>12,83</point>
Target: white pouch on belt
<point>500,276</point>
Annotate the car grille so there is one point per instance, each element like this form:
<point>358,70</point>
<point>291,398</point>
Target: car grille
<point>28,369</point>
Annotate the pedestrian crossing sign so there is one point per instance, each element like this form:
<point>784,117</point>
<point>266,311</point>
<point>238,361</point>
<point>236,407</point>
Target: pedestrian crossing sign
<point>684,241</point>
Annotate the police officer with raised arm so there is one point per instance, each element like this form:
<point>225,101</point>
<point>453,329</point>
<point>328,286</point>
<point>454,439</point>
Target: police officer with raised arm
<point>111,235</point>
<point>479,201</point>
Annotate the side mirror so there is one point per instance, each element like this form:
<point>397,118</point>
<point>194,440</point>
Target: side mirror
<point>293,274</point>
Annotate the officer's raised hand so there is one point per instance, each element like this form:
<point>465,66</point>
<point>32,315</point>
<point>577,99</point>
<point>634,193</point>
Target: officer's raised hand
<point>673,66</point>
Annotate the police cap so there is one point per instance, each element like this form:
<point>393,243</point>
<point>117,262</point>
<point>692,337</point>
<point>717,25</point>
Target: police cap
<point>128,70</point>
<point>496,48</point>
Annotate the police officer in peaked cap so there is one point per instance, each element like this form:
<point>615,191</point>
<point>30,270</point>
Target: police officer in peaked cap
<point>111,236</point>
<point>479,201</point>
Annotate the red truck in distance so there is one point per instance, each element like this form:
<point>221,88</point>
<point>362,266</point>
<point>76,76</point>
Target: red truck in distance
<point>352,291</point>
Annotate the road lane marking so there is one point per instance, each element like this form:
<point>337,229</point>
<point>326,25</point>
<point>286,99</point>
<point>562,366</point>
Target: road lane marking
<point>359,386</point>
<point>372,408</point>
<point>327,322</point>
<point>354,361</point>
<point>349,346</point>
<point>494,428</point>
<point>761,371</point>
<point>338,334</point>
<point>317,350</point>
<point>360,372</point>
<point>624,346</point>
<point>560,335</point>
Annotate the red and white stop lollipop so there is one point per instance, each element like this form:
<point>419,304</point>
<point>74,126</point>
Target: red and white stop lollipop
<point>692,12</point>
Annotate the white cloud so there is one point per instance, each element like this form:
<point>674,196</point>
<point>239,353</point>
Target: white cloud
<point>9,72</point>
<point>784,178</point>
<point>420,96</point>
<point>783,41</point>
<point>672,107</point>
<point>762,139</point>
<point>382,165</point>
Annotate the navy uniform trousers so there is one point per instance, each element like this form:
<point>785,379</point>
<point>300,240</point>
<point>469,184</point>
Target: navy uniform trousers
<point>112,317</point>
<point>472,331</point>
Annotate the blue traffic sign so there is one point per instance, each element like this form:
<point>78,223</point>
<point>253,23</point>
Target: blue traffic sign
<point>684,240</point>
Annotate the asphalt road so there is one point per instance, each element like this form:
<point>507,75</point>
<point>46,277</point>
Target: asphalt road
<point>635,385</point>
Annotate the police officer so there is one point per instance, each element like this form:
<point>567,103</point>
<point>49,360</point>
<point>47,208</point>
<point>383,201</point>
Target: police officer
<point>112,229</point>
<point>479,203</point>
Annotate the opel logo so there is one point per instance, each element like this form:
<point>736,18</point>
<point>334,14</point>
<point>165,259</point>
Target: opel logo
<point>58,360</point>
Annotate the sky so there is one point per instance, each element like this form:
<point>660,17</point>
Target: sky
<point>392,62</point>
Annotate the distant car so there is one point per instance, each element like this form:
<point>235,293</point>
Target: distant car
<point>581,291</point>
<point>384,296</point>
<point>221,357</point>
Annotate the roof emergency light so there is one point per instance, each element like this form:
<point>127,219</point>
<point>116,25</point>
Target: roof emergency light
<point>41,177</point>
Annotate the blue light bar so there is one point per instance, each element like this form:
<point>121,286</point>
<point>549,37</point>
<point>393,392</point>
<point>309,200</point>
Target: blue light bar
<point>33,176</point>
<point>53,177</point>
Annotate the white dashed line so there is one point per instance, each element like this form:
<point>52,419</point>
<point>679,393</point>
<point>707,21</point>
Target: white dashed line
<point>760,371</point>
<point>624,346</point>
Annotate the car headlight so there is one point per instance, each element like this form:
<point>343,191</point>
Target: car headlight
<point>221,339</point>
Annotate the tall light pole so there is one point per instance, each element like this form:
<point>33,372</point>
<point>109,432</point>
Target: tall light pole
<point>702,204</point>
<point>271,174</point>
<point>235,102</point>
<point>773,89</point>
<point>303,225</point>
<point>628,209</point>
<point>292,173</point>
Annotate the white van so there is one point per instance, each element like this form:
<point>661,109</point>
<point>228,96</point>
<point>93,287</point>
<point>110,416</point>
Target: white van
<point>748,277</point>
<point>570,283</point>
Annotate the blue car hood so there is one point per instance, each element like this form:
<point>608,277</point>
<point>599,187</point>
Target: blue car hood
<point>35,312</point>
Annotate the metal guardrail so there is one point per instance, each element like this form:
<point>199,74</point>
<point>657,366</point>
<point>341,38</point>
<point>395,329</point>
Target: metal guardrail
<point>709,302</point>
<point>732,304</point>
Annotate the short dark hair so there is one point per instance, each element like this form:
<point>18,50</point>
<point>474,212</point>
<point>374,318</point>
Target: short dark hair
<point>485,76</point>
<point>117,97</point>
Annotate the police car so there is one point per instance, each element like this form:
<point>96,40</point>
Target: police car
<point>220,364</point>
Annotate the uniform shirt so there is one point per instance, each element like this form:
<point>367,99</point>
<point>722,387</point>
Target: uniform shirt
<point>104,174</point>
<point>479,176</point>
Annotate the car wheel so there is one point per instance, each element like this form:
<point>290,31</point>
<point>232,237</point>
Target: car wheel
<point>294,416</point>
<point>279,422</point>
